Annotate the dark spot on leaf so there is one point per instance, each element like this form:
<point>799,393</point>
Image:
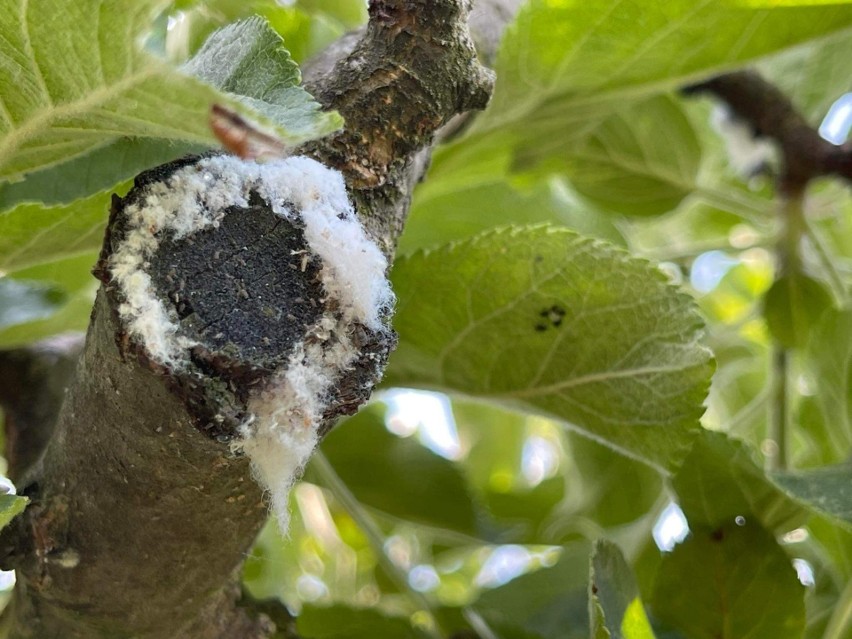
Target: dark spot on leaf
<point>540,328</point>
<point>717,535</point>
<point>594,589</point>
<point>553,315</point>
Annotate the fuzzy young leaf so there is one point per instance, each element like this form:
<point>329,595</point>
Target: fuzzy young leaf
<point>544,320</point>
<point>248,60</point>
<point>730,581</point>
<point>75,81</point>
<point>615,609</point>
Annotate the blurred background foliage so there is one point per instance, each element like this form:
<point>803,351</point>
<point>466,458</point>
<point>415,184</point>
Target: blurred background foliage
<point>436,514</point>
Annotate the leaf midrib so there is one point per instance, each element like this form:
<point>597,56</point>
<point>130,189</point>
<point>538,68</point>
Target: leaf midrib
<point>590,97</point>
<point>43,118</point>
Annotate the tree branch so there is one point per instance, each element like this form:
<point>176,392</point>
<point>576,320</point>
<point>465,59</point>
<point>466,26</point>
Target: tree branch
<point>771,114</point>
<point>415,69</point>
<point>805,155</point>
<point>142,512</point>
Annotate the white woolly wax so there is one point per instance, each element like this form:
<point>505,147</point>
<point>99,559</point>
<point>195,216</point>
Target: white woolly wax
<point>282,430</point>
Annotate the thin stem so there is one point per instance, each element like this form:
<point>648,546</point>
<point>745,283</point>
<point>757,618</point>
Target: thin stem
<point>827,263</point>
<point>744,205</point>
<point>789,255</point>
<point>777,456</point>
<point>840,623</point>
<point>376,539</point>
<point>479,625</point>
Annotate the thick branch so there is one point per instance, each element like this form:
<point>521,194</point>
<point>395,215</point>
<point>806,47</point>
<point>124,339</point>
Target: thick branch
<point>414,69</point>
<point>771,114</point>
<point>204,341</point>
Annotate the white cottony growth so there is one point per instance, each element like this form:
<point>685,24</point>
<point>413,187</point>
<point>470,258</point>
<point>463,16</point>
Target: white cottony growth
<point>196,197</point>
<point>282,431</point>
<point>746,153</point>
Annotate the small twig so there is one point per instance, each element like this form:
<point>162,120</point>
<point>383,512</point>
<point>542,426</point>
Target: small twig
<point>771,114</point>
<point>805,155</point>
<point>776,458</point>
<point>375,537</point>
<point>788,251</point>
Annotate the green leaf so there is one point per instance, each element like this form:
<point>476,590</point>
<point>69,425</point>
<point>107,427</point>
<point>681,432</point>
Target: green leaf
<point>563,63</point>
<point>826,490</point>
<point>446,210</point>
<point>551,603</point>
<point>248,60</point>
<point>543,320</point>
<point>73,278</point>
<point>611,490</point>
<point>730,582</point>
<point>615,608</point>
<point>405,479</point>
<point>720,481</point>
<point>31,234</point>
<point>793,305</point>
<point>565,67</point>
<point>94,172</point>
<point>82,82</point>
<point>829,362</point>
<point>10,507</point>
<point>641,160</point>
<point>493,467</point>
<point>22,301</point>
<point>74,80</point>
<point>342,622</point>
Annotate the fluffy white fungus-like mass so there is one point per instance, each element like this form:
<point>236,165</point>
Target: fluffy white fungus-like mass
<point>282,430</point>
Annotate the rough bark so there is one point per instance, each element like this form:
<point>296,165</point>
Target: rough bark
<point>141,514</point>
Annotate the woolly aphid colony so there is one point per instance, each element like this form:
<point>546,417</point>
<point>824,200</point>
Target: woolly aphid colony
<point>281,430</point>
